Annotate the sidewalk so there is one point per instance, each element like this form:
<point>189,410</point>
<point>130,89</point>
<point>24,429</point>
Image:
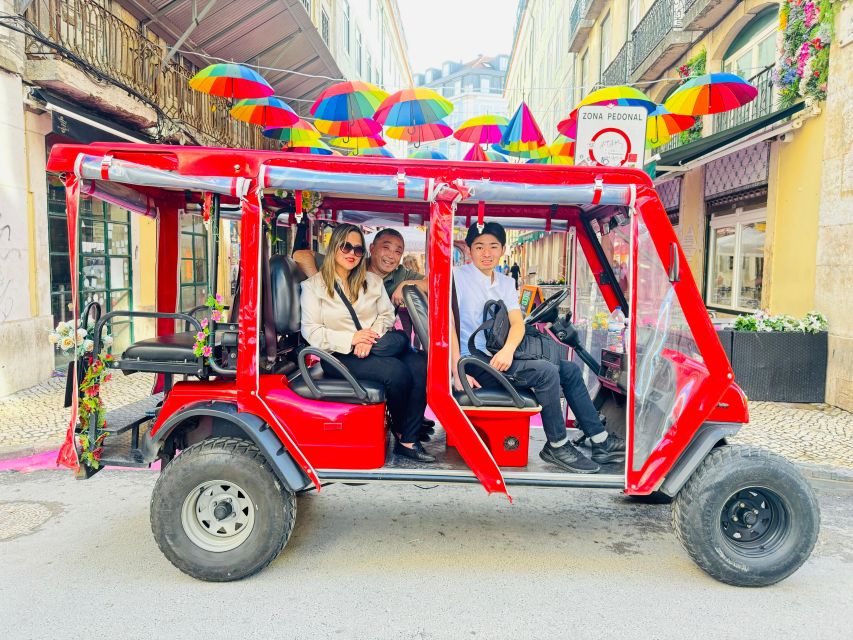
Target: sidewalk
<point>818,436</point>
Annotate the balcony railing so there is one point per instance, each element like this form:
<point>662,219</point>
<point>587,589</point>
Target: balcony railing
<point>579,10</point>
<point>663,16</point>
<point>122,55</point>
<point>617,72</point>
<point>765,102</point>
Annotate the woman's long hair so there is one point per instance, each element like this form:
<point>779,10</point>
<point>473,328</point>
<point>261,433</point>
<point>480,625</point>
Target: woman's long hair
<point>357,279</point>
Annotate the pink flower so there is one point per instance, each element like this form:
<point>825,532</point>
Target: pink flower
<point>204,322</point>
<point>219,298</point>
<point>208,351</point>
<point>216,316</point>
<point>199,336</point>
<point>810,14</point>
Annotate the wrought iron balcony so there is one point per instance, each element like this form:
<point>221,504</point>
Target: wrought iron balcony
<point>105,46</point>
<point>659,39</point>
<point>765,102</point>
<point>579,25</point>
<point>700,15</point>
<point>617,72</point>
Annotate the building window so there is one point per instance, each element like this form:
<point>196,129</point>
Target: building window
<point>736,258</point>
<point>754,48</point>
<point>633,16</point>
<point>194,278</point>
<point>307,5</point>
<point>346,28</point>
<point>604,52</point>
<point>368,68</point>
<point>584,76</point>
<point>324,26</point>
<point>104,255</point>
<point>359,56</point>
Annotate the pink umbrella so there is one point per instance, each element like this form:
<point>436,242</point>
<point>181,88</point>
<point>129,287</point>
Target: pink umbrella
<point>522,134</point>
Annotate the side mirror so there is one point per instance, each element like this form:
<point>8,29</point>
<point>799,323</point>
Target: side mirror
<point>673,273</point>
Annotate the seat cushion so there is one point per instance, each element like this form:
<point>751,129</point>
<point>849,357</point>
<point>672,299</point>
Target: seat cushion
<point>175,348</point>
<point>495,397</point>
<point>336,389</point>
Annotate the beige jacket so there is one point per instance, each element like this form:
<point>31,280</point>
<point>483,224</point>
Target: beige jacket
<point>328,325</point>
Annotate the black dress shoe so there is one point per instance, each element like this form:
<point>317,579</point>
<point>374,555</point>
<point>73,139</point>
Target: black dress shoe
<point>417,452</point>
<point>428,424</point>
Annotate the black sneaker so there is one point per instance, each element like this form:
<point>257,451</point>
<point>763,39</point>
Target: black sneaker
<point>415,453</point>
<point>569,458</point>
<point>611,450</point>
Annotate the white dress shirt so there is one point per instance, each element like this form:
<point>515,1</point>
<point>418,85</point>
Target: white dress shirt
<point>326,321</point>
<point>473,291</point>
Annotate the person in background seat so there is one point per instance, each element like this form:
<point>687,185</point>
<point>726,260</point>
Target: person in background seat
<point>327,324</point>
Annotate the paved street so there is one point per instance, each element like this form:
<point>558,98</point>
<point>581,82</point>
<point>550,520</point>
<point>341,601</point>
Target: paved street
<point>383,561</point>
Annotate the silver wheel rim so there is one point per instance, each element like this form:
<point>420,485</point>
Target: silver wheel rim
<point>218,516</point>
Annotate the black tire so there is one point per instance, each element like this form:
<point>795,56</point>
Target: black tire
<point>228,468</point>
<point>746,516</point>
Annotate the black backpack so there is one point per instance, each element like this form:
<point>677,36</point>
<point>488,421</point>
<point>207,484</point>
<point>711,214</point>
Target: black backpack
<point>534,345</point>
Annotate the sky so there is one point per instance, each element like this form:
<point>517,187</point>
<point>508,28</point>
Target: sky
<point>439,30</point>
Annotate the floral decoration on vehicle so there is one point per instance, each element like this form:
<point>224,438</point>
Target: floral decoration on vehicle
<point>92,408</point>
<point>802,61</point>
<point>76,340</point>
<point>203,346</point>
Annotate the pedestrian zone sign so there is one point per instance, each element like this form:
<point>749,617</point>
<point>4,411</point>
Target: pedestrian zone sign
<point>611,136</point>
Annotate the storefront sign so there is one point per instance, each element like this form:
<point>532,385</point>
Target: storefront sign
<point>611,136</point>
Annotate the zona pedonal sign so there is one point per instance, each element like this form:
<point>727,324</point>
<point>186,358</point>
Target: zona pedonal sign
<point>611,136</point>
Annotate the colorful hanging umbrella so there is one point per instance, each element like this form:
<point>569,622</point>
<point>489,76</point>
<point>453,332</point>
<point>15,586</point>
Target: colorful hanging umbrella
<point>565,160</point>
<point>375,151</point>
<point>305,144</point>
<point>621,96</point>
<point>569,126</point>
<point>562,147</point>
<point>710,93</point>
<point>321,151</point>
<point>662,125</point>
<point>478,154</point>
<point>360,128</point>
<point>420,133</point>
<point>427,154</point>
<point>296,133</point>
<point>522,134</point>
<point>532,152</point>
<point>353,100</point>
<point>411,107</point>
<point>360,142</point>
<point>231,81</point>
<point>267,112</point>
<point>486,129</point>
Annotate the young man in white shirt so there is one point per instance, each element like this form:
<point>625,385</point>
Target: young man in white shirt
<point>476,283</point>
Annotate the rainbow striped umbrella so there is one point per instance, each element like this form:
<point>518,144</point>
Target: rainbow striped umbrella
<point>360,128</point>
<point>412,107</point>
<point>320,151</point>
<point>478,154</point>
<point>353,100</point>
<point>563,147</point>
<point>486,129</point>
<point>522,135</point>
<point>296,133</point>
<point>662,125</point>
<point>710,93</point>
<point>621,96</point>
<point>427,154</point>
<point>375,151</point>
<point>267,112</point>
<point>564,160</point>
<point>306,144</point>
<point>231,81</point>
<point>532,152</point>
<point>420,133</point>
<point>569,126</point>
<point>359,142</point>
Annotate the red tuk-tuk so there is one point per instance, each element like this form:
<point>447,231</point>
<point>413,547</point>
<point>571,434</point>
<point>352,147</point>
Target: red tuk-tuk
<point>253,421</point>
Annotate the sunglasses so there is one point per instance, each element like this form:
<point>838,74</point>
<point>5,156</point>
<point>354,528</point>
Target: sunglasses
<point>356,249</point>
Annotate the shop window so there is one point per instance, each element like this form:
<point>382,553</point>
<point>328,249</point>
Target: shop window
<point>736,258</point>
<point>195,285</point>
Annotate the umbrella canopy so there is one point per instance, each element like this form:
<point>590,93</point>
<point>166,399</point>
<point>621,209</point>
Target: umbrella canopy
<point>411,107</point>
<point>565,160</point>
<point>267,112</point>
<point>375,151</point>
<point>478,154</point>
<point>358,142</point>
<point>231,81</point>
<point>360,128</point>
<point>662,125</point>
<point>353,100</point>
<point>305,144</point>
<point>486,129</point>
<point>532,152</point>
<point>562,147</point>
<point>427,154</point>
<point>710,93</point>
<point>321,151</point>
<point>522,133</point>
<point>300,131</point>
<point>569,126</point>
<point>420,133</point>
<point>620,96</point>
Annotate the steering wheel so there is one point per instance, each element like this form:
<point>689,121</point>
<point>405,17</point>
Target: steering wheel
<point>547,308</point>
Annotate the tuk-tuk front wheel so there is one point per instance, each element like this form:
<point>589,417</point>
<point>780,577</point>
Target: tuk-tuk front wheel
<point>747,516</point>
<point>218,512</point>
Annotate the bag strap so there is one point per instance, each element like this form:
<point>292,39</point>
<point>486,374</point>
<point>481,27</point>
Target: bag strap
<point>488,323</point>
<point>348,305</point>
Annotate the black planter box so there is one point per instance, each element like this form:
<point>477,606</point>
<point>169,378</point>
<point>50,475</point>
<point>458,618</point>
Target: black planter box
<point>779,366</point>
<point>725,336</point>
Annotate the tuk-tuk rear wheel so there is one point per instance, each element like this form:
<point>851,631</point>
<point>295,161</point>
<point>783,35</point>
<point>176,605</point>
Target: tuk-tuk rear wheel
<point>219,513</point>
<point>746,516</point>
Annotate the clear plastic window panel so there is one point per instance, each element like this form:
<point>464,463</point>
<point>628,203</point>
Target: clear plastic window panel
<point>589,318</point>
<point>668,365</point>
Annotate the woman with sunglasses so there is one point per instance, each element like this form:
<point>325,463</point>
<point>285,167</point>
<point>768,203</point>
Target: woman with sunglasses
<point>328,324</point>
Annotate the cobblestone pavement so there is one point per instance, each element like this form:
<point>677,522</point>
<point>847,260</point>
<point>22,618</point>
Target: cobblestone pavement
<point>34,420</point>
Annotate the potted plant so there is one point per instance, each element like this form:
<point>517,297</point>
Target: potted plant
<point>779,358</point>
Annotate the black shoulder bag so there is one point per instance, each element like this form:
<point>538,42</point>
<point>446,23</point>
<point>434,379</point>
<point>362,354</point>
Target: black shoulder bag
<point>390,345</point>
<point>495,327</point>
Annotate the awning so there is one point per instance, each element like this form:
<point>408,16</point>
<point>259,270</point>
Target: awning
<point>683,155</point>
<point>80,125</point>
